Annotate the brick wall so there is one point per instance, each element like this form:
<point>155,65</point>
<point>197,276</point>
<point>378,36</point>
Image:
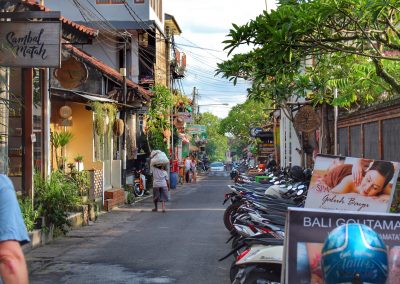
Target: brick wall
<point>96,179</point>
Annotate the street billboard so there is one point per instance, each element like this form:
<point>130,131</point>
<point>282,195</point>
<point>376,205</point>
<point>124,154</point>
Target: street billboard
<point>306,231</point>
<point>352,184</point>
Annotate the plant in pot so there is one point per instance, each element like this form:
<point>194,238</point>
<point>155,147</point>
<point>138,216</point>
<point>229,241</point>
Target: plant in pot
<point>79,162</point>
<point>82,182</point>
<point>59,141</point>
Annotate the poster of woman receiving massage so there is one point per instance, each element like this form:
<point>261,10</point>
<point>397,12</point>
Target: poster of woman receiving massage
<point>354,184</point>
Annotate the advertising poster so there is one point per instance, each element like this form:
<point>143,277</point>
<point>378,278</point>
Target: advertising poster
<point>352,184</point>
<point>307,230</point>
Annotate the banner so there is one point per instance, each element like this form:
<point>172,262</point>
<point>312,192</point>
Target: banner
<point>352,184</point>
<point>306,231</point>
<point>196,129</point>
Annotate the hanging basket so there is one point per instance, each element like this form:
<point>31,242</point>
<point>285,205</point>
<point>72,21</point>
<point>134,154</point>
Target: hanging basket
<point>118,127</point>
<point>100,127</point>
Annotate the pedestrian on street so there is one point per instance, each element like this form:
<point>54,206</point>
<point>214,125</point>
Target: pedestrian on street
<point>188,167</point>
<point>13,233</point>
<point>160,187</point>
<point>193,165</point>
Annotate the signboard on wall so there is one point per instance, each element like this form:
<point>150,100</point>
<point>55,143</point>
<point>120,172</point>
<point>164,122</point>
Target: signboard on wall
<point>306,231</point>
<point>196,129</point>
<point>352,184</point>
<point>30,44</point>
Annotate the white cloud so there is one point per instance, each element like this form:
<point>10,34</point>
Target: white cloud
<point>206,24</point>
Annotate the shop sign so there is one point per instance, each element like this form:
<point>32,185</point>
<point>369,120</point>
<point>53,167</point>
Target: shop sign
<point>352,184</point>
<point>72,73</point>
<point>186,116</point>
<point>196,129</point>
<point>306,231</point>
<point>255,131</point>
<point>30,44</point>
<point>306,119</point>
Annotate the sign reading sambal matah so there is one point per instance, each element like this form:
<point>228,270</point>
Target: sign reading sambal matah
<point>30,44</point>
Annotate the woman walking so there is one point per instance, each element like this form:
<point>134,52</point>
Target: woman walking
<point>160,187</point>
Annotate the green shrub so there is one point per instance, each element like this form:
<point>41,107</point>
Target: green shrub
<point>82,181</point>
<point>29,213</point>
<point>56,195</point>
<point>130,197</point>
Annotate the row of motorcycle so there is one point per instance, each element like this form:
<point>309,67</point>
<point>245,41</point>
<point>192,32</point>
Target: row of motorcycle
<point>255,218</point>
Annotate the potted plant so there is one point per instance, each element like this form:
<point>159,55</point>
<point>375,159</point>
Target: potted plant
<point>59,141</point>
<point>79,162</point>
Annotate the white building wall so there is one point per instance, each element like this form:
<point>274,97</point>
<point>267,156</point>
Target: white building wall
<point>111,12</point>
<point>289,143</point>
<point>134,66</point>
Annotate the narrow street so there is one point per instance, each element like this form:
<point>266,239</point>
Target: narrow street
<point>135,245</point>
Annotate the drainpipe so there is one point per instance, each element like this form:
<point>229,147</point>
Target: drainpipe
<point>123,73</point>
<point>335,94</point>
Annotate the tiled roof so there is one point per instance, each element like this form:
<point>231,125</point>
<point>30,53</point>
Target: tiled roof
<point>89,31</point>
<point>107,70</point>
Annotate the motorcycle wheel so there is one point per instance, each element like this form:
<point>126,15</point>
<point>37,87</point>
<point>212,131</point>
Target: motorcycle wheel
<point>138,191</point>
<point>233,271</point>
<point>229,212</point>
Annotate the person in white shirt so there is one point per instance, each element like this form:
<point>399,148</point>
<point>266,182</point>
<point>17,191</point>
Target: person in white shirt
<point>188,166</point>
<point>160,186</point>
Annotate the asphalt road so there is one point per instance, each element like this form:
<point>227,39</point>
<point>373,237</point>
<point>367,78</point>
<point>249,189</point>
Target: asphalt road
<point>134,245</point>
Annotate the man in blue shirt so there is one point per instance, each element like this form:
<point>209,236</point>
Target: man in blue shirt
<point>12,234</point>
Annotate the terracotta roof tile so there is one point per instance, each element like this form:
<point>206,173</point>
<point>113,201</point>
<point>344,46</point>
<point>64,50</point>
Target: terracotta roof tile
<point>89,31</point>
<point>107,70</point>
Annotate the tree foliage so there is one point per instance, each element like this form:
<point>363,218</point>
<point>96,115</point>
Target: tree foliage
<point>335,33</point>
<point>244,116</point>
<point>159,117</point>
<point>217,144</point>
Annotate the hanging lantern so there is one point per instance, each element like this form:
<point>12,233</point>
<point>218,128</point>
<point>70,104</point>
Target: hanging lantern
<point>65,112</point>
<point>118,127</point>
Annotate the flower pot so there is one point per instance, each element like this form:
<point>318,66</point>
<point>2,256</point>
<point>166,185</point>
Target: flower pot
<point>79,166</point>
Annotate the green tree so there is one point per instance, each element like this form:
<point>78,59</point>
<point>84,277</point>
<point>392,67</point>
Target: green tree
<point>297,30</point>
<point>244,116</point>
<point>159,117</point>
<point>217,144</point>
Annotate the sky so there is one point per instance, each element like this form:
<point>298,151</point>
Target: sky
<point>205,25</point>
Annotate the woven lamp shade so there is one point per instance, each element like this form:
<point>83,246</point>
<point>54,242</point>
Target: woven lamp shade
<point>65,112</point>
<point>118,127</point>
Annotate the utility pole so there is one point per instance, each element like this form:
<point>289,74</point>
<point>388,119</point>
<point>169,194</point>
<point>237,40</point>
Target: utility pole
<point>124,91</point>
<point>266,5</point>
<point>195,104</point>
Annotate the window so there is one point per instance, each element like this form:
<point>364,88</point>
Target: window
<point>110,1</point>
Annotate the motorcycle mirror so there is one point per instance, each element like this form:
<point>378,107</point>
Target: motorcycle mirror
<point>300,192</point>
<point>301,186</point>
